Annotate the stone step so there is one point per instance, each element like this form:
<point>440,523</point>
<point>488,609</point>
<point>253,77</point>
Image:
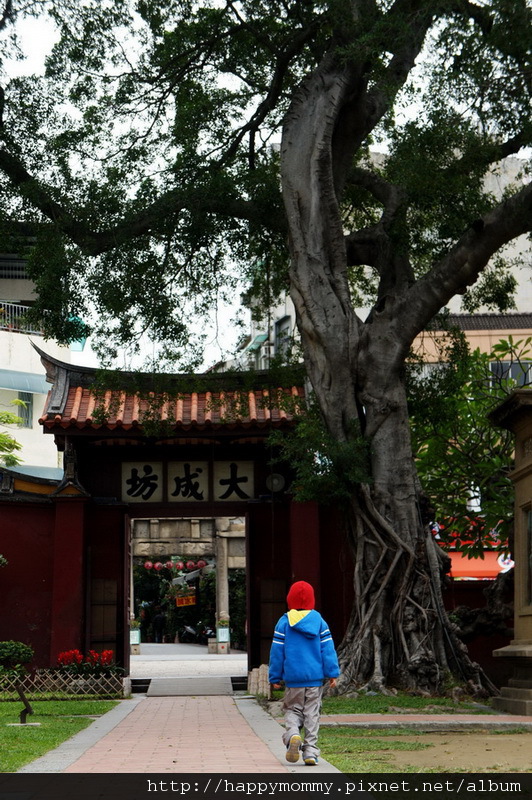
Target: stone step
<point>516,693</point>
<point>239,683</point>
<point>513,706</point>
<point>140,685</point>
<point>520,683</point>
<point>190,686</point>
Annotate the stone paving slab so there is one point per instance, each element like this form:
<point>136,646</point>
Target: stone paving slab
<point>186,687</point>
<point>66,753</point>
<point>180,735</point>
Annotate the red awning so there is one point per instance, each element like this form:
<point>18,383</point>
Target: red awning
<point>477,569</point>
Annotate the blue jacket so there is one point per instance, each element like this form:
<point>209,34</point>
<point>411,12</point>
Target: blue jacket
<point>302,651</point>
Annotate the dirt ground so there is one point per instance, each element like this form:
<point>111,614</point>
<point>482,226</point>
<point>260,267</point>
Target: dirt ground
<point>472,751</point>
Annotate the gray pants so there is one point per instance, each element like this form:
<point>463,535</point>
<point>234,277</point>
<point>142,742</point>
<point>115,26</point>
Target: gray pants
<point>302,707</point>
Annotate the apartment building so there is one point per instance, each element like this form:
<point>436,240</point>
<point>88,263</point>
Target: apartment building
<point>22,375</point>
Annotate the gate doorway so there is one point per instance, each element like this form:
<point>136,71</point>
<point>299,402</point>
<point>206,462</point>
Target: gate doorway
<point>188,583</point>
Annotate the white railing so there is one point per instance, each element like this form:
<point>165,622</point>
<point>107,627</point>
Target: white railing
<point>13,318</point>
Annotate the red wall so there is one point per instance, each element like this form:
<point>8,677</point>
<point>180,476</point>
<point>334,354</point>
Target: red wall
<point>26,538</point>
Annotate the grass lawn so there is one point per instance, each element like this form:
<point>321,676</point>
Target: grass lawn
<point>59,720</point>
<point>361,750</point>
<point>382,704</point>
<point>403,750</point>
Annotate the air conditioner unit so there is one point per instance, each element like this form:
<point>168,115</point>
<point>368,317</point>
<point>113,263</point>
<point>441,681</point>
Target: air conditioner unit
<point>267,350</point>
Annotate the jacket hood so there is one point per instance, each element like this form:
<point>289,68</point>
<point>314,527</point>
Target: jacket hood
<point>305,622</point>
<point>301,596</point>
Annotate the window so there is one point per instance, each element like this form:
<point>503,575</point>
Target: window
<point>25,412</point>
<point>12,267</point>
<point>283,336</point>
<point>518,371</point>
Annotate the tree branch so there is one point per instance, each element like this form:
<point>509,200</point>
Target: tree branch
<point>415,18</point>
<point>282,62</point>
<point>365,107</point>
<point>494,153</point>
<point>391,197</point>
<point>463,264</point>
<point>478,14</point>
<point>145,223</point>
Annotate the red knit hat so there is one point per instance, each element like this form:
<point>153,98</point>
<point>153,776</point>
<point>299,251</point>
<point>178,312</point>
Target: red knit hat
<point>300,596</point>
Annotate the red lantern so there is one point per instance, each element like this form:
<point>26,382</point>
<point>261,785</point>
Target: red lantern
<point>202,563</point>
<point>179,565</point>
<point>158,566</point>
<point>190,565</point>
<point>148,565</point>
<point>168,565</point>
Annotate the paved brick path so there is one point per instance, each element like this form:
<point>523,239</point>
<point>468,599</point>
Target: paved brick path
<point>180,734</point>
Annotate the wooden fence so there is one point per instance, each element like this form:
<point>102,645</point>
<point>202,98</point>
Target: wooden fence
<point>49,684</point>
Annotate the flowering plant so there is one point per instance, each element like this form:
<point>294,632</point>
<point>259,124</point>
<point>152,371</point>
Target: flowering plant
<point>73,662</point>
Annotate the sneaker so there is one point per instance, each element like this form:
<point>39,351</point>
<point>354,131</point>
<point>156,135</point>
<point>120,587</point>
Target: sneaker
<point>311,761</point>
<point>292,751</point>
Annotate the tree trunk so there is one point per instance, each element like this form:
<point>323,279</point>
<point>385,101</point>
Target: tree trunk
<point>399,633</point>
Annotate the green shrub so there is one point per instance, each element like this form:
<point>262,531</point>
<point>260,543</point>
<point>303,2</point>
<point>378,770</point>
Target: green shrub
<point>13,656</point>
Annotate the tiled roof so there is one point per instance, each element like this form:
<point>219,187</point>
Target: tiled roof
<point>119,410</point>
<point>486,322</point>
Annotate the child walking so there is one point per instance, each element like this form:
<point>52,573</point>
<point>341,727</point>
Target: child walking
<point>303,656</point>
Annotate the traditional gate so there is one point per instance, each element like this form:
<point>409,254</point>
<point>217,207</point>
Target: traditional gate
<point>159,448</point>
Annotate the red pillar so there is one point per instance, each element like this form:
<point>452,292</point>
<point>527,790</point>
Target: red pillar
<point>305,544</point>
<point>68,584</point>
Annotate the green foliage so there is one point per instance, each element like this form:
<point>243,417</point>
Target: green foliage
<point>13,653</point>
<point>153,191</point>
<point>238,608</point>
<point>495,289</point>
<point>458,448</point>
<point>325,469</point>
<point>13,657</point>
<point>154,590</point>
<point>8,444</point>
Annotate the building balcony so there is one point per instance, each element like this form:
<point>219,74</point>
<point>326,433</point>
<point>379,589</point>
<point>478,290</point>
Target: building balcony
<point>13,318</point>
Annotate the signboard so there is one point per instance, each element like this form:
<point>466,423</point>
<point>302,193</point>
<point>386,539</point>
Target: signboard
<point>188,599</point>
<point>187,481</point>
<point>222,634</point>
<point>134,636</point>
